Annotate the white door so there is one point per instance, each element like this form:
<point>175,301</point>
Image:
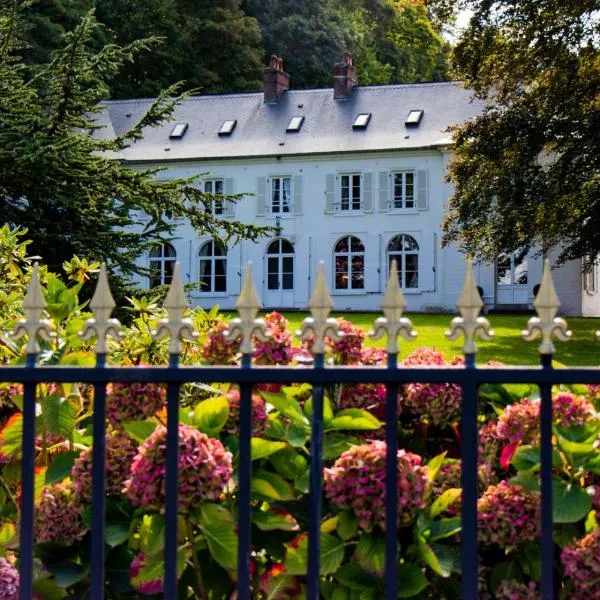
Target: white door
<point>279,270</point>
<point>512,279</point>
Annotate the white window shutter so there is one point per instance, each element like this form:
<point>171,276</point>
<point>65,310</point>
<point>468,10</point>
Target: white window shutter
<point>422,191</point>
<point>367,203</point>
<point>228,206</point>
<point>298,194</point>
<point>329,194</point>
<point>261,190</point>
<point>384,192</point>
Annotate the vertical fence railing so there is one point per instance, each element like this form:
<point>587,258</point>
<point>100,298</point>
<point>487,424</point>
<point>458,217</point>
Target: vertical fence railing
<point>314,330</point>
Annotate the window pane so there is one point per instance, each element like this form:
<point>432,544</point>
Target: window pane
<point>220,250</point>
<point>286,190</point>
<point>276,183</point>
<point>286,247</point>
<point>169,251</point>
<point>503,270</point>
<point>169,268</point>
<point>273,247</point>
<point>272,265</point>
<point>342,245</point>
<point>288,281</point>
<point>356,192</point>
<point>521,268</point>
<point>345,192</point>
<point>341,272</point>
<point>273,281</point>
<point>395,244</point>
<point>156,252</point>
<point>220,283</point>
<point>358,272</point>
<point>410,243</point>
<point>288,264</point>
<point>412,262</point>
<point>205,275</point>
<point>154,273</point>
<point>206,249</point>
<point>208,187</point>
<point>356,245</point>
<point>220,267</point>
<point>412,279</point>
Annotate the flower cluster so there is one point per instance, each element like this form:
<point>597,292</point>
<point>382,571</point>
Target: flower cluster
<point>58,515</point>
<point>9,393</point>
<point>570,410</point>
<point>120,451</point>
<point>217,350</point>
<point>440,403</point>
<point>277,348</point>
<point>368,396</point>
<point>9,581</point>
<point>373,356</point>
<point>357,481</point>
<point>204,469</point>
<point>149,587</point>
<point>581,560</point>
<point>347,350</point>
<point>259,414</point>
<point>514,590</point>
<point>133,401</point>
<point>508,515</point>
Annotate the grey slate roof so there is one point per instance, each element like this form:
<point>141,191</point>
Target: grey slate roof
<point>327,127</point>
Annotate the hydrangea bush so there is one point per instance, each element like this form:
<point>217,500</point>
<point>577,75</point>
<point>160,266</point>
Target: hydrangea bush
<point>353,526</point>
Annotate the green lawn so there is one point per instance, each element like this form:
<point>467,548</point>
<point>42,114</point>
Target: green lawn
<point>507,345</point>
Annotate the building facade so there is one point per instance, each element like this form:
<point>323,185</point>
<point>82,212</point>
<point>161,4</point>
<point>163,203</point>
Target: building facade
<point>351,176</point>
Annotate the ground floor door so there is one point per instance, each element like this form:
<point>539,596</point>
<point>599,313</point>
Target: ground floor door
<point>512,279</point>
<point>279,275</point>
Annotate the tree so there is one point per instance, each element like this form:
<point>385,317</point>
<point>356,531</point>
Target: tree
<point>68,187</point>
<point>527,171</point>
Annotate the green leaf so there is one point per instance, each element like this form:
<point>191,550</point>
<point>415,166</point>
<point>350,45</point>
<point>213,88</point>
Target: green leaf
<point>211,415</point>
<point>277,586</point>
<point>441,504</point>
<point>274,519</point>
<point>441,559</point>
<point>370,553</point>
<point>218,527</point>
<point>287,406</point>
<point>334,443</point>
<point>8,534</point>
<point>152,533</point>
<point>356,578</point>
<point>60,467</point>
<point>355,419</point>
<point>153,567</point>
<point>411,580</point>
<point>48,589</point>
<point>347,527</point>
<point>332,555</point>
<point>530,560</point>
<point>67,573</point>
<point>289,463</point>
<point>504,571</point>
<point>434,465</point>
<point>11,436</point>
<point>444,528</point>
<point>272,486</point>
<point>116,533</point>
<point>570,502</point>
<point>261,448</point>
<point>139,430</point>
<point>327,410</point>
<point>59,415</point>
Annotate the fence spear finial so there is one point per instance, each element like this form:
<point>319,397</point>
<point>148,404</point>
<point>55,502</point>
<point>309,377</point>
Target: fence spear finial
<point>247,325</point>
<point>33,325</point>
<point>320,325</point>
<point>102,305</point>
<point>393,324</point>
<point>470,324</point>
<point>174,324</point>
<point>546,323</point>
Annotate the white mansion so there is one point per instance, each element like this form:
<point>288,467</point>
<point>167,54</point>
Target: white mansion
<point>353,176</point>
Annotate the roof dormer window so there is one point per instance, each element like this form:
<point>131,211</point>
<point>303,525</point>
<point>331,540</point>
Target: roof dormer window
<point>178,131</point>
<point>295,124</point>
<point>414,117</point>
<point>362,121</point>
<point>228,127</point>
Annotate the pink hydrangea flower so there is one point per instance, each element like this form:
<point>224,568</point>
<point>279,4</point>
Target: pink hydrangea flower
<point>9,581</point>
<point>154,586</point>
<point>508,515</point>
<point>277,349</point>
<point>373,356</point>
<point>368,396</point>
<point>120,451</point>
<point>58,515</point>
<point>571,410</point>
<point>347,350</point>
<point>133,401</point>
<point>357,482</point>
<point>440,403</point>
<point>204,469</point>
<point>514,590</point>
<point>581,560</point>
<point>259,414</point>
<point>217,350</point>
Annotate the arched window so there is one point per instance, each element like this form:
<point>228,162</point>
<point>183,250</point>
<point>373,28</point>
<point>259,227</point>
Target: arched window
<point>349,260</point>
<point>405,251</point>
<point>162,264</point>
<point>280,265</point>
<point>213,267</point>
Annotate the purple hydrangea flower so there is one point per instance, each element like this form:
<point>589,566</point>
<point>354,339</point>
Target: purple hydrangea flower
<point>154,586</point>
<point>259,414</point>
<point>277,349</point>
<point>514,590</point>
<point>581,560</point>
<point>58,515</point>
<point>9,581</point>
<point>133,401</point>
<point>217,350</point>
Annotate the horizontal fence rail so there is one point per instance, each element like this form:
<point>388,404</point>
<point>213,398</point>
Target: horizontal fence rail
<point>248,327</point>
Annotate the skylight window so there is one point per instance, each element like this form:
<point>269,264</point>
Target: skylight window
<point>362,121</point>
<point>178,131</point>
<point>414,117</point>
<point>228,127</point>
<point>295,124</point>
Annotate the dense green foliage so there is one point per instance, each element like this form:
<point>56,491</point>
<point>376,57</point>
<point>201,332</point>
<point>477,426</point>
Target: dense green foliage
<point>527,171</point>
<point>68,187</point>
<point>352,527</point>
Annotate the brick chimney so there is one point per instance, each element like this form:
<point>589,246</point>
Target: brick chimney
<point>276,80</point>
<point>344,77</point>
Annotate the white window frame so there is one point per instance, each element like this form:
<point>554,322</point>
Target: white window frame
<point>280,208</point>
<point>351,208</point>
<point>349,255</point>
<point>590,277</point>
<point>212,258</point>
<point>401,203</point>
<point>400,256</point>
<point>514,266</point>
<point>280,272</point>
<point>217,207</point>
<point>160,263</point>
